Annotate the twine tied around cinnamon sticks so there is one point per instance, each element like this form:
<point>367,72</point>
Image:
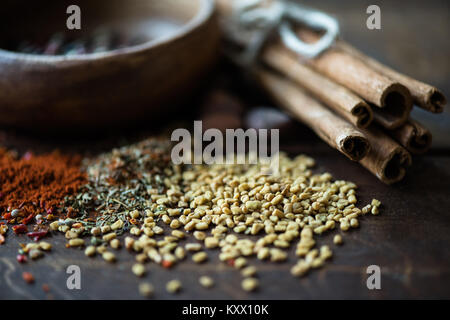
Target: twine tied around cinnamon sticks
<point>262,18</point>
<point>354,103</point>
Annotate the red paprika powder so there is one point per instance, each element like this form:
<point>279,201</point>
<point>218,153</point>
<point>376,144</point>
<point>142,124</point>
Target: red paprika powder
<point>36,184</point>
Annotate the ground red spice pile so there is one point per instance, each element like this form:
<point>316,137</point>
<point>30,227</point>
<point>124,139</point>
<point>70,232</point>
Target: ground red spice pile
<point>36,184</point>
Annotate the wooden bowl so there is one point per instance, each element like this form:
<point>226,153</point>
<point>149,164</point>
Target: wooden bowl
<point>109,88</point>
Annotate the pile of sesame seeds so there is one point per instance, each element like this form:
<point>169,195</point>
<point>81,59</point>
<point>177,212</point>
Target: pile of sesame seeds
<point>164,213</point>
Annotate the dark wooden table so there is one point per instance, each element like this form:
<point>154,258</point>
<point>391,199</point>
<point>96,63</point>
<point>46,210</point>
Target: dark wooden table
<point>409,240</point>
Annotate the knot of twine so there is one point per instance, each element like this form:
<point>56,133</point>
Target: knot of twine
<point>262,18</point>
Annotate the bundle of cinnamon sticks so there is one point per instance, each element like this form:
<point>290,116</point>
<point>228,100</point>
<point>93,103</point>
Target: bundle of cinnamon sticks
<point>354,103</point>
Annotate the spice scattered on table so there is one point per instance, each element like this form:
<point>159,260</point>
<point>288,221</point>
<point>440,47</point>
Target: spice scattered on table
<point>206,281</point>
<point>138,269</point>
<point>249,271</point>
<point>109,256</point>
<point>337,239</point>
<point>135,197</point>
<point>146,289</point>
<point>21,258</point>
<point>250,284</point>
<point>34,187</point>
<point>173,286</point>
<point>28,277</point>
<point>121,184</point>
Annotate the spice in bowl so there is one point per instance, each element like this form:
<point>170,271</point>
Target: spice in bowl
<point>101,40</point>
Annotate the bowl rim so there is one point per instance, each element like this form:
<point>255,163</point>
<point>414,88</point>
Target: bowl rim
<point>205,12</point>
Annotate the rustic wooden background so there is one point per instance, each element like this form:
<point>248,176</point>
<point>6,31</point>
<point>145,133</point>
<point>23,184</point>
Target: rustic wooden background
<point>409,240</point>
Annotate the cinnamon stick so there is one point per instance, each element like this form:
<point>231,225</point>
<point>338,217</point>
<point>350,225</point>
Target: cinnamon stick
<point>341,100</point>
<point>391,101</point>
<point>387,160</point>
<point>393,98</point>
<point>424,95</point>
<point>413,136</point>
<point>335,131</point>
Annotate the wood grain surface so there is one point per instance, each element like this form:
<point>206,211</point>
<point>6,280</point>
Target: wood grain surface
<point>409,240</point>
